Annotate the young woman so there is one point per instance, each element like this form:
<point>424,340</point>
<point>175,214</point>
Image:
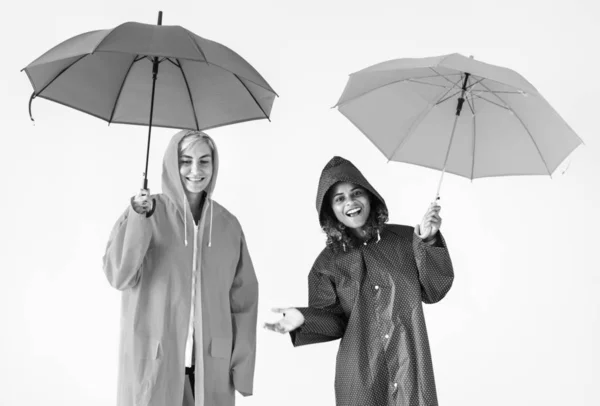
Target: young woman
<point>189,304</point>
<point>366,287</point>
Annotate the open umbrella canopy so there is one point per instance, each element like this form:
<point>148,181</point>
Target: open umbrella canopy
<point>108,73</point>
<point>410,108</point>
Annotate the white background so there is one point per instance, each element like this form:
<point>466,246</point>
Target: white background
<point>519,327</point>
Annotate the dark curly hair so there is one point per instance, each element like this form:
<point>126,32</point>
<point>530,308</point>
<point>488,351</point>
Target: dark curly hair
<point>339,238</point>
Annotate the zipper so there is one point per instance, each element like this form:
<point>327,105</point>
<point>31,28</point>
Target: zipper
<point>196,259</point>
<point>196,269</point>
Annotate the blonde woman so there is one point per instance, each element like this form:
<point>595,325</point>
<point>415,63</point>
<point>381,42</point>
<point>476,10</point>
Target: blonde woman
<point>189,301</point>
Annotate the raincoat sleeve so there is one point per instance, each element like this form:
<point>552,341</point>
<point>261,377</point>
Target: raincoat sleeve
<point>324,318</point>
<point>126,249</point>
<point>435,268</point>
<point>243,297</point>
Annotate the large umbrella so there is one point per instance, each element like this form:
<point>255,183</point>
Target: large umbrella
<point>411,110</point>
<point>152,75</point>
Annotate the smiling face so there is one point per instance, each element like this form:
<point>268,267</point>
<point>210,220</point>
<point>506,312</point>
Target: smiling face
<point>350,204</point>
<point>196,166</point>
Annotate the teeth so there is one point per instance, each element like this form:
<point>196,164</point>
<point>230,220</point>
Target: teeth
<point>353,211</point>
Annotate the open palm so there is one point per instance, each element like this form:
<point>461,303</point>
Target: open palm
<point>291,320</point>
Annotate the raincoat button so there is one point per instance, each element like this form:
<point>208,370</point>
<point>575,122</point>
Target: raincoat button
<point>376,287</point>
<point>395,384</point>
<point>387,336</point>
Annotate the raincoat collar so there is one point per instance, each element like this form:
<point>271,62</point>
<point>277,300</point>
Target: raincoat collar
<point>171,180</point>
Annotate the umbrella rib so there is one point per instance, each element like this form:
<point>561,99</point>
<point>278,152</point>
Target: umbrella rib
<point>473,84</point>
<point>243,120</point>
<point>445,76</point>
<point>112,114</point>
<point>253,98</point>
<point>440,101</point>
<point>491,102</point>
<point>60,73</point>
<point>471,106</point>
<point>525,127</point>
<point>447,98</point>
<point>213,64</point>
<point>382,86</point>
<point>415,124</point>
<point>425,83</point>
<point>268,88</point>
<point>474,137</point>
<point>495,91</point>
<point>189,93</point>
<point>197,46</point>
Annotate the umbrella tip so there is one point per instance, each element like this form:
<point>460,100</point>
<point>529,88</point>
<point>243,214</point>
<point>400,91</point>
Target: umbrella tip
<point>160,18</point>
<point>472,57</point>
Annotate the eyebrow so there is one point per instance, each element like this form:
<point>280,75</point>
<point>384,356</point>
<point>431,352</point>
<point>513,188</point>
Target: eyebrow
<point>203,156</point>
<point>353,189</point>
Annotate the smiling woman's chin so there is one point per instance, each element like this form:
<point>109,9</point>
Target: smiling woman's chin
<point>194,188</point>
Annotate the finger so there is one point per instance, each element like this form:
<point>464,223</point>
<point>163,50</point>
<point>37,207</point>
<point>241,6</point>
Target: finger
<point>431,212</point>
<point>270,326</point>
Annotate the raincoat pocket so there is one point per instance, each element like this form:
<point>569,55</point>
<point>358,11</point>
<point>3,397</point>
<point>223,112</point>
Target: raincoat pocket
<point>147,357</point>
<point>220,347</point>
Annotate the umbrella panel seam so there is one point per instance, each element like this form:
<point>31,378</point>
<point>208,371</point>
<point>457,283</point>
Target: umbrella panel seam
<point>112,114</point>
<point>526,129</point>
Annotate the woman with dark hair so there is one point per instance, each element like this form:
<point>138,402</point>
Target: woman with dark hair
<point>367,287</point>
<point>190,294</point>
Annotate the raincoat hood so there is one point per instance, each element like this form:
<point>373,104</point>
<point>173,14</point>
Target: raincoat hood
<point>337,170</point>
<point>172,186</point>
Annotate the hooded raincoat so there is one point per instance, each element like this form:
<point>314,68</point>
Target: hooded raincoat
<point>152,260</point>
<point>371,297</point>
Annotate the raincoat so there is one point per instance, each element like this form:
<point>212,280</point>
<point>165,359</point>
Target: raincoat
<point>151,260</point>
<point>371,297</point>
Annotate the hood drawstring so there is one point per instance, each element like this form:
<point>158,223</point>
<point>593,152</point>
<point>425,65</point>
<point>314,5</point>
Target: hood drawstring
<point>184,219</point>
<point>378,236</point>
<point>211,222</point>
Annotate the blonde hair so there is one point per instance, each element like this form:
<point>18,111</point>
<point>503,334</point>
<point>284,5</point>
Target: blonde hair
<point>192,138</point>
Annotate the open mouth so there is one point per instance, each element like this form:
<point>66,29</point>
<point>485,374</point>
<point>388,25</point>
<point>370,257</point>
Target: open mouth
<point>354,212</point>
<point>196,180</point>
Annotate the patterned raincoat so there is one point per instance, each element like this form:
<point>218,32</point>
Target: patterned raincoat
<point>371,297</point>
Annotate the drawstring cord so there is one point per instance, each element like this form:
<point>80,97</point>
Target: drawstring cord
<point>185,218</point>
<point>185,221</point>
<point>211,224</point>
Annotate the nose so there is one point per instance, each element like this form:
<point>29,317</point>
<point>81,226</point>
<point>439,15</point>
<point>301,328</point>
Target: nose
<point>195,169</point>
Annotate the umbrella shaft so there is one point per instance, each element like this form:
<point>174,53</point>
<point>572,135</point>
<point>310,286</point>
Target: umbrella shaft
<point>459,106</point>
<point>154,75</point>
<point>437,196</point>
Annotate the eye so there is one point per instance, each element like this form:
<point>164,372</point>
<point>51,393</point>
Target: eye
<point>359,192</point>
<point>338,199</point>
<point>185,162</point>
<point>204,162</point>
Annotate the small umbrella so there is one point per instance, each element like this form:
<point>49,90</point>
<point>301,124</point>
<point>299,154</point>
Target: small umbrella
<point>411,110</point>
<point>152,75</point>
